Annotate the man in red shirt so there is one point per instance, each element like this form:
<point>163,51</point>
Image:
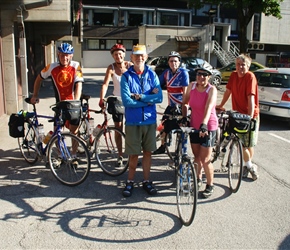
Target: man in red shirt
<point>243,88</point>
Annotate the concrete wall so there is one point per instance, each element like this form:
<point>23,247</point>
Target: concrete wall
<point>148,35</point>
<point>276,31</point>
<point>156,46</point>
<point>58,11</point>
<point>98,59</point>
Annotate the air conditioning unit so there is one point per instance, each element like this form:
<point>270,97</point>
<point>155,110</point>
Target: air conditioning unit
<point>256,46</point>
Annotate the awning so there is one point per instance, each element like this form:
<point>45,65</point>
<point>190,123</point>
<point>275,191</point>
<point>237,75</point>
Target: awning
<point>188,38</point>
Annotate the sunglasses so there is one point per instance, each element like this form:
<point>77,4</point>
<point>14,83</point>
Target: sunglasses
<point>202,74</point>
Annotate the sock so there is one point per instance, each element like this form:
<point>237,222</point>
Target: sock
<point>249,164</point>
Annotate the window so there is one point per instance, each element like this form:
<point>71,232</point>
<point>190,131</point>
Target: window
<point>103,44</point>
<point>93,44</point>
<point>169,19</point>
<point>256,27</point>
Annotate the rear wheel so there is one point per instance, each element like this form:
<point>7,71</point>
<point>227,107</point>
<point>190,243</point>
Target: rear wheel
<point>68,167</point>
<point>108,152</point>
<point>83,133</point>
<point>186,192</point>
<point>28,144</point>
<point>235,164</point>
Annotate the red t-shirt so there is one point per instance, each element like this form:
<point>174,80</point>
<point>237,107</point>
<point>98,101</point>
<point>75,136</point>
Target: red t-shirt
<point>241,88</point>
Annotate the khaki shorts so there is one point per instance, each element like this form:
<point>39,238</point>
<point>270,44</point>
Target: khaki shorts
<point>250,139</point>
<point>140,138</point>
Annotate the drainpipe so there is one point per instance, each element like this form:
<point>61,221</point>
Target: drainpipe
<point>22,45</point>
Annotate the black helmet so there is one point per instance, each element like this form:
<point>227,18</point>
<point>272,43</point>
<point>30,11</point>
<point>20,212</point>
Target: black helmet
<point>205,67</point>
<point>174,54</point>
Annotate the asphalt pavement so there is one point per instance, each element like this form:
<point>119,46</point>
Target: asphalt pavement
<point>38,212</point>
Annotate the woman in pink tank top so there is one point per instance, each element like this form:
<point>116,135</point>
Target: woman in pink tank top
<point>201,97</point>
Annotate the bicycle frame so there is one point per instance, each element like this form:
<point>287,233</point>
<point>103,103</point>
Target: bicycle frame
<point>34,116</point>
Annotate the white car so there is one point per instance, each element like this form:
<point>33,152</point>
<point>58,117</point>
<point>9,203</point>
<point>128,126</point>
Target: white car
<point>274,92</point>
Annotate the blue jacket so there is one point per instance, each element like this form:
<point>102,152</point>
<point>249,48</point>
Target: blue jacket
<point>143,111</point>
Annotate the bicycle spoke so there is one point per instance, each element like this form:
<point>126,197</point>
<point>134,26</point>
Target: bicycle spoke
<point>108,151</point>
<point>28,144</point>
<point>235,165</point>
<point>68,167</point>
<point>186,193</point>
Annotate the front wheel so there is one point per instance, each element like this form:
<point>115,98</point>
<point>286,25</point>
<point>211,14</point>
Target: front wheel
<point>68,164</point>
<point>28,144</point>
<point>110,151</point>
<point>235,164</point>
<point>186,192</point>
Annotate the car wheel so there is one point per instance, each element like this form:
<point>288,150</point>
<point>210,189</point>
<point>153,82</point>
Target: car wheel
<point>217,82</point>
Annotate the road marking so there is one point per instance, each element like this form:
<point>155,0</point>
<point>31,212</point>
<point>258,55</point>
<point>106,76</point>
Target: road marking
<point>279,137</point>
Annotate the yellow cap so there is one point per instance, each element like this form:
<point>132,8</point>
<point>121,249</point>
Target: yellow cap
<point>139,49</point>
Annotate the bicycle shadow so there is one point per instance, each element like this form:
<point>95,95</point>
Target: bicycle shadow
<point>94,210</point>
<point>37,195</point>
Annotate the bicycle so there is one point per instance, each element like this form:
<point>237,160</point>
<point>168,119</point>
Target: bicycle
<point>186,178</point>
<point>170,139</point>
<point>228,146</point>
<point>102,140</point>
<point>66,168</point>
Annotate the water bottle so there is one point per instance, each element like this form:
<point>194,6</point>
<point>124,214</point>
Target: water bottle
<point>224,145</point>
<point>91,125</point>
<point>97,130</point>
<point>47,137</point>
<point>40,129</point>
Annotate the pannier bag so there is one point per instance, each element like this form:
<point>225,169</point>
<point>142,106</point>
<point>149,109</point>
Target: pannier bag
<point>239,123</point>
<point>16,125</point>
<point>115,105</point>
<point>71,110</point>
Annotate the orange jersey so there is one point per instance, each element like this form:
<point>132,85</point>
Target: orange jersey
<point>64,79</point>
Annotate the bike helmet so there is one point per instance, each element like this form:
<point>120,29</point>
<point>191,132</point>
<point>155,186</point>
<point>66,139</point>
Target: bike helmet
<point>66,48</point>
<point>174,54</point>
<point>205,67</point>
<point>118,46</point>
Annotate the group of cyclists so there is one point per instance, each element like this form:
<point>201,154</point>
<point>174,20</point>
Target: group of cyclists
<point>140,89</point>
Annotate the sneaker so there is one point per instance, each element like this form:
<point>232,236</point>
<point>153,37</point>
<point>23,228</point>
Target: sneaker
<point>186,157</point>
<point>127,192</point>
<point>160,150</point>
<point>56,163</point>
<point>75,163</point>
<point>254,173</point>
<point>120,161</point>
<point>149,188</point>
<point>208,191</point>
<point>245,172</point>
<point>199,184</point>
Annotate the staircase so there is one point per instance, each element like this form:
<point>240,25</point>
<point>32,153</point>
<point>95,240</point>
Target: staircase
<point>225,57</point>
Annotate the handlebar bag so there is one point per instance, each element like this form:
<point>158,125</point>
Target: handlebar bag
<point>71,109</point>
<point>239,123</point>
<point>115,105</point>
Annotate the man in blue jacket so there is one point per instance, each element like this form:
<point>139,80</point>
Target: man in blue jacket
<point>140,91</point>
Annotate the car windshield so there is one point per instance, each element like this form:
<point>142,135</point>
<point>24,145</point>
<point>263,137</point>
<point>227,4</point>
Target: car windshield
<point>275,80</point>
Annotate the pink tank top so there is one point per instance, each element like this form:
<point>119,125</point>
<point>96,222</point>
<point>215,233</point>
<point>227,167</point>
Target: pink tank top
<point>197,102</point>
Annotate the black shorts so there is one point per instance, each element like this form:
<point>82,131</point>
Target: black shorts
<point>118,117</point>
<point>207,141</point>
